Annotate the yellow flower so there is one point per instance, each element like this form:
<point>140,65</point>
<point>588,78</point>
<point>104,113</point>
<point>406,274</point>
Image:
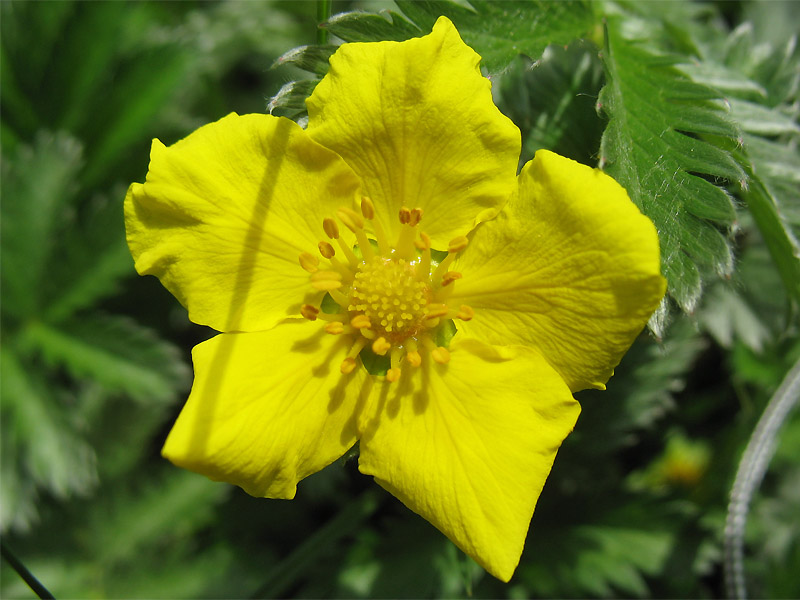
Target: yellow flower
<point>251,222</point>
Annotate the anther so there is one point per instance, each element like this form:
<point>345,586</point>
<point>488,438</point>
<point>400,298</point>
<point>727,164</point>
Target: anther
<point>405,215</point>
<point>350,218</point>
<point>331,228</point>
<point>361,322</point>
<point>450,277</point>
<point>334,327</point>
<point>414,359</point>
<point>393,375</point>
<point>465,313</point>
<point>441,355</point>
<point>416,217</point>
<point>326,250</point>
<point>381,346</point>
<point>349,363</point>
<point>424,243</point>
<point>309,312</point>
<point>367,208</point>
<point>309,262</point>
<point>457,244</point>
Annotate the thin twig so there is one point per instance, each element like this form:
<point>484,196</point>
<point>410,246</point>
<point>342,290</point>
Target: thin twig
<point>24,573</point>
<point>752,468</point>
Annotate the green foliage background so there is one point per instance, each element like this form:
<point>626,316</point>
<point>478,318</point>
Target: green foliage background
<point>693,107</point>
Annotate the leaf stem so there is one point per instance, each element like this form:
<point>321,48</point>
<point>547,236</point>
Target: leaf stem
<point>323,14</point>
<point>24,573</point>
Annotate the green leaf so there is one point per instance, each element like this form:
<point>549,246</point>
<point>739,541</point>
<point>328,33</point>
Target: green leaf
<point>92,259</point>
<point>782,244</point>
<point>113,351</point>
<point>37,184</point>
<point>606,552</point>
<point>172,505</point>
<point>369,27</point>
<point>313,59</point>
<point>291,98</point>
<point>41,448</point>
<point>754,118</point>
<point>651,146</point>
<point>498,31</point>
<point>552,101</point>
<point>730,317</point>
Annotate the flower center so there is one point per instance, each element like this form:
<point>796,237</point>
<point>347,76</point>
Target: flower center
<point>392,300</point>
<point>389,294</point>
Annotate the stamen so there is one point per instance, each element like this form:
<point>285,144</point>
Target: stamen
<point>339,297</point>
<point>455,246</point>
<point>450,277</point>
<point>405,240</point>
<point>323,316</point>
<point>309,312</point>
<point>331,228</point>
<point>348,252</point>
<point>436,310</point>
<point>349,363</point>
<point>465,313</point>
<point>309,262</point>
<point>326,250</point>
<point>414,359</point>
<point>394,372</point>
<point>326,280</point>
<point>381,346</point>
<point>424,243</point>
<point>441,355</point>
<point>367,208</point>
<point>334,327</point>
<point>361,322</point>
<point>350,218</point>
<point>355,223</point>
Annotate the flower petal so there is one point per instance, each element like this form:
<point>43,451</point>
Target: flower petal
<point>225,213</point>
<point>267,409</point>
<point>469,445</point>
<point>415,120</point>
<point>571,268</point>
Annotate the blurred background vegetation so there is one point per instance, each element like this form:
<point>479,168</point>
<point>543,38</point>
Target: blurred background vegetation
<point>95,361</point>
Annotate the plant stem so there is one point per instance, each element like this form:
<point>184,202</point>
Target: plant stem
<point>752,468</point>
<point>323,14</point>
<point>24,573</point>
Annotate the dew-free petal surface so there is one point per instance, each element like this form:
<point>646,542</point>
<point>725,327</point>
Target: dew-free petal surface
<point>224,214</point>
<point>570,267</point>
<point>267,408</point>
<point>415,120</point>
<point>468,445</point>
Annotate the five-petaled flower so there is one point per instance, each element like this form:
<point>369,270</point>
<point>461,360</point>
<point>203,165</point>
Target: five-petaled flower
<point>336,260</point>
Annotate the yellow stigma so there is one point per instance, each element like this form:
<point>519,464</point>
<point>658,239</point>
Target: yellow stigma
<point>392,299</point>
